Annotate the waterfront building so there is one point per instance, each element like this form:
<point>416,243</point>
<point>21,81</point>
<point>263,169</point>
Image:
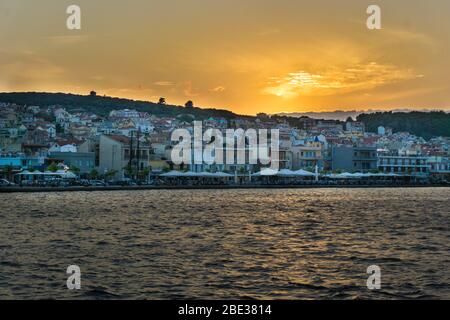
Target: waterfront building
<point>401,163</point>
<point>20,161</point>
<point>307,154</point>
<point>116,152</point>
<point>439,165</point>
<point>354,158</point>
<point>85,161</point>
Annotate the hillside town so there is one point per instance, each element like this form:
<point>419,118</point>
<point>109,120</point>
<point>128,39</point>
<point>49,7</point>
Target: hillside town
<point>39,144</point>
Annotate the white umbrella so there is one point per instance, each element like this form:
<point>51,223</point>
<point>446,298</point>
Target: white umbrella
<point>344,175</point>
<point>285,173</point>
<point>304,173</point>
<point>195,174</point>
<point>266,172</point>
<point>347,175</point>
<point>361,175</point>
<point>223,175</point>
<point>69,175</point>
<point>368,175</point>
<point>24,173</point>
<point>206,174</point>
<point>392,175</point>
<point>173,174</point>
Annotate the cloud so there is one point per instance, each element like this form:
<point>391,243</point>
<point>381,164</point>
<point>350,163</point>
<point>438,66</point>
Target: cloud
<point>408,36</point>
<point>26,68</point>
<point>338,81</point>
<point>164,83</point>
<point>218,89</point>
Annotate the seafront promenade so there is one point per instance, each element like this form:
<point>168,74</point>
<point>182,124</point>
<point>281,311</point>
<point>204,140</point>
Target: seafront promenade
<point>211,187</point>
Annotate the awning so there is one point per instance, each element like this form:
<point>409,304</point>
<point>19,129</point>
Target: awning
<point>304,173</point>
<point>173,174</point>
<point>191,174</point>
<point>284,173</point>
<point>61,173</point>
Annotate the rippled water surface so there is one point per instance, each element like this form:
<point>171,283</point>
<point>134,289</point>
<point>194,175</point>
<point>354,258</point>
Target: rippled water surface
<point>240,244</point>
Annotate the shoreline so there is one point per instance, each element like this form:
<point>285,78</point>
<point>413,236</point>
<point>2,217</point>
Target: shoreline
<point>206,187</point>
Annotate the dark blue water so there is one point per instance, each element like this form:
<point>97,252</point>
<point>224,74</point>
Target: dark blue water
<point>237,244</point>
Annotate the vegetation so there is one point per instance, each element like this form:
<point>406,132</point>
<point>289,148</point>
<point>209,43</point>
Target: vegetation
<point>129,170</point>
<point>93,175</point>
<point>143,174</point>
<point>423,124</point>
<point>8,171</point>
<point>53,167</point>
<point>74,169</point>
<point>104,105</point>
<point>111,174</point>
<point>59,129</point>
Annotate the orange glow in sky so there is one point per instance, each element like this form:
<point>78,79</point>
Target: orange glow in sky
<point>248,56</point>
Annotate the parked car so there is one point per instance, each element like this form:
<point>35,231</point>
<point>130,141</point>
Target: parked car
<point>97,183</point>
<point>79,183</point>
<point>6,183</point>
<point>126,182</point>
<point>28,183</point>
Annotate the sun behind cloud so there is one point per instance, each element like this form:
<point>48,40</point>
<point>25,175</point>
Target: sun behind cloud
<point>337,81</point>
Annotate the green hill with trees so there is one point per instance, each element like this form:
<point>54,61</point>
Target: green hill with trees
<point>423,124</point>
<point>103,105</point>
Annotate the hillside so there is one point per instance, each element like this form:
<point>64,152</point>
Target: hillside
<point>104,105</point>
<point>423,124</point>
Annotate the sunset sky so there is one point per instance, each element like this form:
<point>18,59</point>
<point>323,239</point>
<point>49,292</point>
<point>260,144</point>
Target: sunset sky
<point>247,56</point>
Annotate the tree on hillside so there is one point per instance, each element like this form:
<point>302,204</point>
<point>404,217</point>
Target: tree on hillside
<point>423,124</point>
<point>102,105</point>
<point>189,104</point>
<point>162,101</point>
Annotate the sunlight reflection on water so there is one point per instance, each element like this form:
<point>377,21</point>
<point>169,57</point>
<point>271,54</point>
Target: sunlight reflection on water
<point>263,244</point>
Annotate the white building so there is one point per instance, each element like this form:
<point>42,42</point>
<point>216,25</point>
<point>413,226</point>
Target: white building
<point>403,164</point>
<point>126,113</point>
